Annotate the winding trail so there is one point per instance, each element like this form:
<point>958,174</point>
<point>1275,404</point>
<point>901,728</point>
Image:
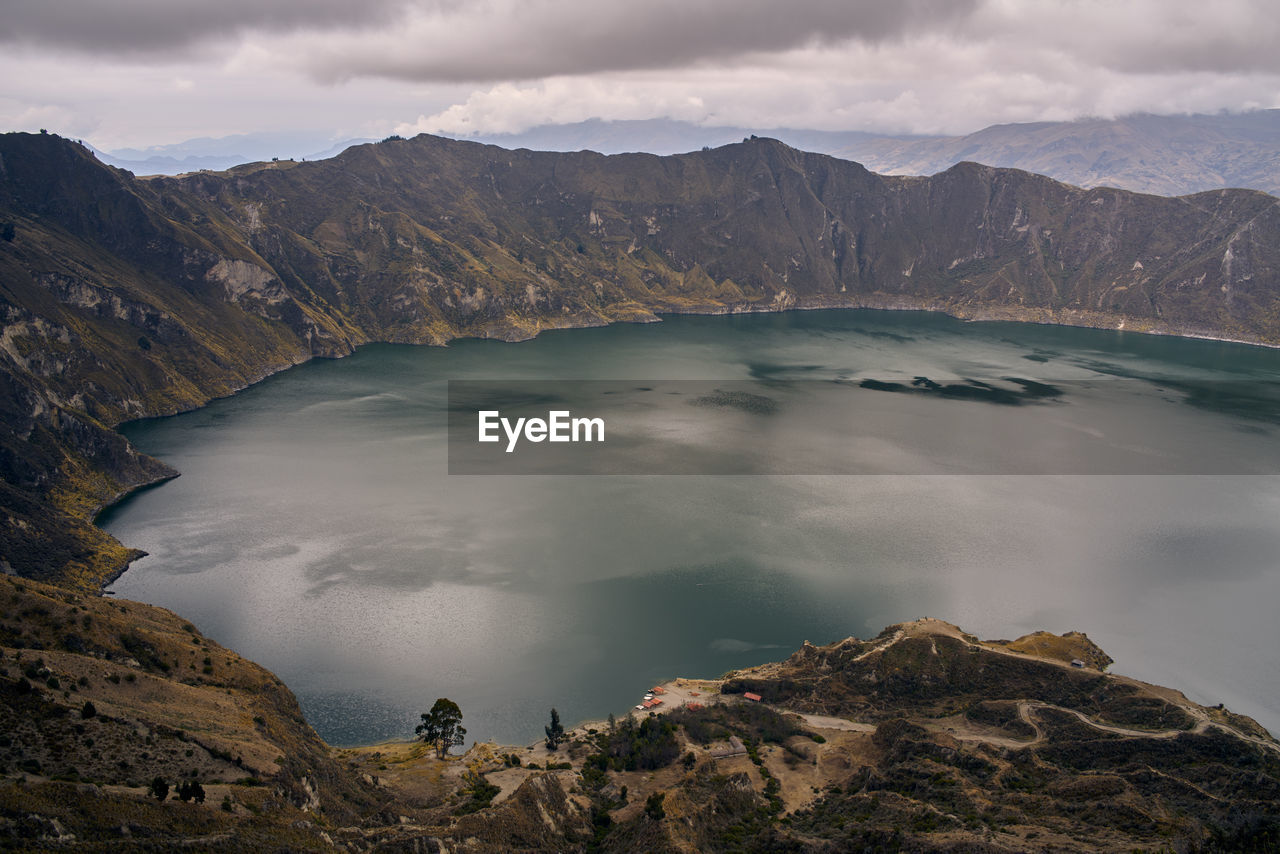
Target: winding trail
<point>1027,707</point>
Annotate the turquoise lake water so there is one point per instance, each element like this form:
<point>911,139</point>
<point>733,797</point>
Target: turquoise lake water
<point>1117,484</point>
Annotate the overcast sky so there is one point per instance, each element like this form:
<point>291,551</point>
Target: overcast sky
<point>143,72</point>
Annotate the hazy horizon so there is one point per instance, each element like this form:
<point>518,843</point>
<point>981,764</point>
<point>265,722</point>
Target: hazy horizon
<point>155,73</point>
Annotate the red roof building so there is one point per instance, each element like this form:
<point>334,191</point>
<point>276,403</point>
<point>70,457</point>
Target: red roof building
<point>755,698</point>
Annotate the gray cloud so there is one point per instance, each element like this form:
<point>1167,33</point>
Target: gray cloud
<point>133,27</point>
<point>540,38</point>
<point>1137,36</point>
<point>449,40</point>
<point>485,41</point>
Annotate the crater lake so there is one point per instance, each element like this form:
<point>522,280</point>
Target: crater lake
<point>777,478</point>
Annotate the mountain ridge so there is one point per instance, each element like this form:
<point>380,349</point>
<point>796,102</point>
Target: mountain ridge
<point>1148,153</point>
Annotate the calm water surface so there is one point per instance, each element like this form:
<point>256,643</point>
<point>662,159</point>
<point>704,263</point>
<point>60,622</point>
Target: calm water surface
<point>316,530</point>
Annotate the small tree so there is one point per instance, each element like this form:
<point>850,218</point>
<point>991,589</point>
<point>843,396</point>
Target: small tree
<point>442,727</point>
<point>481,790</point>
<point>88,710</point>
<point>189,789</point>
<point>653,806</point>
<point>555,732</point>
<point>159,789</point>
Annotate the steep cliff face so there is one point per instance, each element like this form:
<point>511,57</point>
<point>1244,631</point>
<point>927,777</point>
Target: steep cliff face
<point>108,314</point>
<point>472,238</point>
<point>124,298</point>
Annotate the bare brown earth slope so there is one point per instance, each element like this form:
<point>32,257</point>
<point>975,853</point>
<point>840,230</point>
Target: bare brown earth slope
<point>124,298</point>
<point>921,739</point>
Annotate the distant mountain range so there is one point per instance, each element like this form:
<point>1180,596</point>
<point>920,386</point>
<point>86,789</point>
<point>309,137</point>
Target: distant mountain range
<point>219,153</point>
<point>1165,155</point>
<point>125,297</point>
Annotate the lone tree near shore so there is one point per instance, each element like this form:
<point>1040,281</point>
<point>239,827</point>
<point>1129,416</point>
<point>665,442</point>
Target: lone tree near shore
<point>442,726</point>
<point>555,731</point>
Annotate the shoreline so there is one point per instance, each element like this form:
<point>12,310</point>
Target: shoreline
<point>679,692</point>
<point>676,691</point>
<point>106,506</point>
<point>976,313</point>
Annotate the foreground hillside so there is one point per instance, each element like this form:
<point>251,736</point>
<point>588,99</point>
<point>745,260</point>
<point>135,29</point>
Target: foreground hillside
<point>125,298</point>
<point>100,697</point>
<point>921,739</point>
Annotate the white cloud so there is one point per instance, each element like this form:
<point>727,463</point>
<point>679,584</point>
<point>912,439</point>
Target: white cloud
<point>507,107</point>
<point>30,117</point>
<point>526,39</point>
<point>929,85</point>
<point>172,28</point>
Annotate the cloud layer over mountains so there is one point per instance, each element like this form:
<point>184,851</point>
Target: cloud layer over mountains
<point>502,65</point>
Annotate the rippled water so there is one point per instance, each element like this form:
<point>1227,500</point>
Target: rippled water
<point>316,530</point>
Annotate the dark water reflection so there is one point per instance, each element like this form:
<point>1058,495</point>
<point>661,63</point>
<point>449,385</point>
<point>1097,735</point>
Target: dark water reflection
<point>316,530</point>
